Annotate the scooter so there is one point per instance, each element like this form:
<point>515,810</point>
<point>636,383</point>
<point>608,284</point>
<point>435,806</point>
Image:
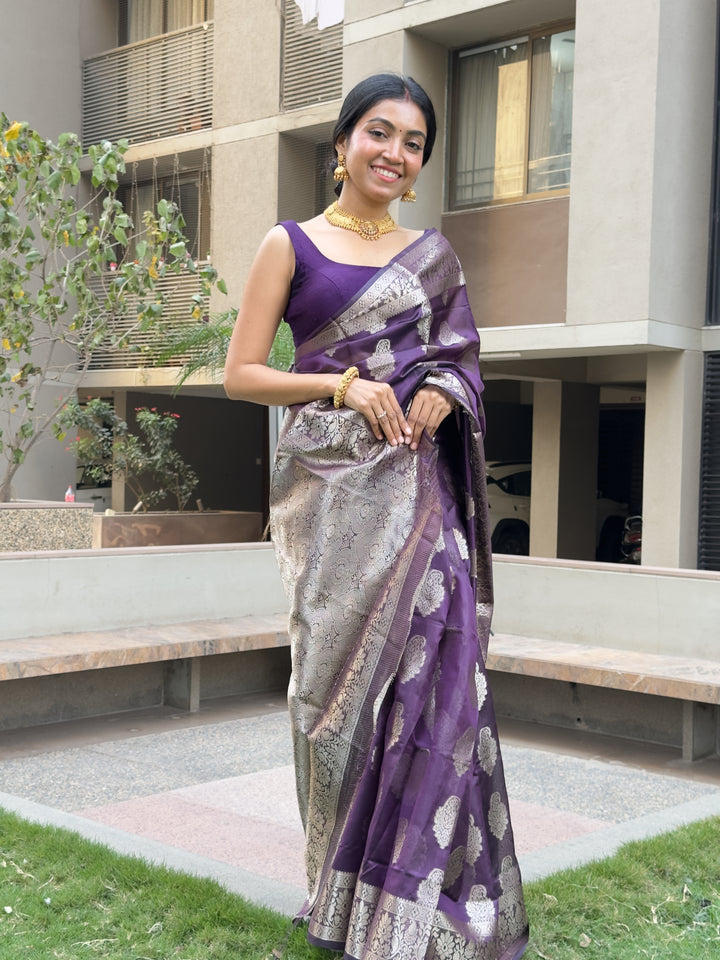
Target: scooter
<point>631,540</point>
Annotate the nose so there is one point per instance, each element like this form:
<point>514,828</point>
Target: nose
<point>393,149</point>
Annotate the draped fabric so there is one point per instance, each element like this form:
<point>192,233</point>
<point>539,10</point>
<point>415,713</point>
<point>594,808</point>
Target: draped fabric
<point>384,555</point>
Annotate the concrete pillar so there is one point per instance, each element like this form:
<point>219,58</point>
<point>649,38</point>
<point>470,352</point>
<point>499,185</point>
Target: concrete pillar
<point>671,472</point>
<point>564,470</point>
<point>117,487</point>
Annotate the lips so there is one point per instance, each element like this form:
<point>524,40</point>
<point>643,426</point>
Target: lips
<point>385,172</point>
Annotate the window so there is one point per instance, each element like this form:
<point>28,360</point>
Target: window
<point>311,67</point>
<point>191,192</point>
<point>512,120</point>
<point>143,19</point>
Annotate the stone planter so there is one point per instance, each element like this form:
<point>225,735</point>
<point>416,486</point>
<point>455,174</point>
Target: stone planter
<point>28,525</point>
<point>163,529</point>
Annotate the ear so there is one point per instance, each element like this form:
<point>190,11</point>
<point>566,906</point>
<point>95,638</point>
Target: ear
<point>341,143</point>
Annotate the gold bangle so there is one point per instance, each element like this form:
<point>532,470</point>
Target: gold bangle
<point>342,388</point>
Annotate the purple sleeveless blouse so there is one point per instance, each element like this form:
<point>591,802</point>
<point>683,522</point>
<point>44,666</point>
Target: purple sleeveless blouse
<point>320,287</point>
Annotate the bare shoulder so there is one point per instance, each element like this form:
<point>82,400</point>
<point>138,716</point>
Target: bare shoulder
<point>277,251</point>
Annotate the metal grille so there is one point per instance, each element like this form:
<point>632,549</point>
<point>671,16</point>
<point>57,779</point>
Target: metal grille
<point>177,291</point>
<point>151,89</point>
<point>709,527</point>
<point>311,60</point>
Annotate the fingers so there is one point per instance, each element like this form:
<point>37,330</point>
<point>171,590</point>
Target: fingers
<point>429,408</point>
<point>377,402</point>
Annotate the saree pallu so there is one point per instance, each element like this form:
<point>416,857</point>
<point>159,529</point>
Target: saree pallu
<point>384,554</point>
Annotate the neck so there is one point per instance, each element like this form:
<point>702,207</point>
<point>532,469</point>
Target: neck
<point>360,207</point>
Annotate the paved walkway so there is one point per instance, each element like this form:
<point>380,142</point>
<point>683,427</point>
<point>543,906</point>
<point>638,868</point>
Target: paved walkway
<point>213,794</point>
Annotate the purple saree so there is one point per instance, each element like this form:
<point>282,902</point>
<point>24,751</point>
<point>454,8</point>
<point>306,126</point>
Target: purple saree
<point>384,555</point>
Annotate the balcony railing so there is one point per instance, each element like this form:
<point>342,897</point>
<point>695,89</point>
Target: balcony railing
<point>150,89</point>
<point>177,290</point>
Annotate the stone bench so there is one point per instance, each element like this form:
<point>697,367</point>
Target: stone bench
<point>693,682</point>
<point>82,659</point>
<point>181,649</point>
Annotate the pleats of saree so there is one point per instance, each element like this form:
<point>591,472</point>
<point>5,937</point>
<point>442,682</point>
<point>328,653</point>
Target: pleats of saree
<point>424,863</point>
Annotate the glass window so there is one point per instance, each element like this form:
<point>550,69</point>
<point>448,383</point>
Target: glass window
<point>144,19</point>
<point>512,122</point>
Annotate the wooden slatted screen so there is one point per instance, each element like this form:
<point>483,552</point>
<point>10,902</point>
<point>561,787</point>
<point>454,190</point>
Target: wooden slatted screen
<point>709,532</point>
<point>311,60</point>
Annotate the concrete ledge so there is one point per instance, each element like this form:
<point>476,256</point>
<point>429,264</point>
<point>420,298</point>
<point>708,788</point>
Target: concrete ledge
<point>68,653</point>
<point>683,678</point>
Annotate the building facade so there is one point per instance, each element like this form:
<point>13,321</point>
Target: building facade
<point>573,174</point>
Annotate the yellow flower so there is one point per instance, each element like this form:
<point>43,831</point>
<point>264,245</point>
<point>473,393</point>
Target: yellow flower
<point>16,377</point>
<point>153,272</point>
<point>6,343</point>
<point>197,313</point>
<point>19,294</point>
<point>66,238</point>
<point>13,131</point>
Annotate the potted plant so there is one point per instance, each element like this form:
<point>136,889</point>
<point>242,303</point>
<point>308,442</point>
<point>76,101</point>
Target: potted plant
<point>155,474</point>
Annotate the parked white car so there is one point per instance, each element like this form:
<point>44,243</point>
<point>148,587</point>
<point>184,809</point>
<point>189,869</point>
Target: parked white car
<point>508,486</point>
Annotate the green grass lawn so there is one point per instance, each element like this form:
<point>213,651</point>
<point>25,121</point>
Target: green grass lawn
<point>64,898</point>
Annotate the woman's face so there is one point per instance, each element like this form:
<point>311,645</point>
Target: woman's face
<point>384,152</point>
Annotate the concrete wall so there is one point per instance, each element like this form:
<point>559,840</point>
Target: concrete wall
<point>42,46</point>
<point>49,593</point>
<point>641,161</point>
<point>515,260</point>
<point>653,610</point>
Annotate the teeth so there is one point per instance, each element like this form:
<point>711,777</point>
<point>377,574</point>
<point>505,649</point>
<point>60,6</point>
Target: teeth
<point>387,173</point>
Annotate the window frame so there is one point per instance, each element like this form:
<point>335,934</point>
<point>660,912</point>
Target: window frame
<point>529,37</point>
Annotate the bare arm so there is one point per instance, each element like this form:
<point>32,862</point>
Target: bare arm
<point>247,376</point>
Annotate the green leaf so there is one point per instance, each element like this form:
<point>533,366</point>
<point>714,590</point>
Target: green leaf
<point>178,249</point>
<point>222,287</point>
<point>141,249</point>
<point>120,235</point>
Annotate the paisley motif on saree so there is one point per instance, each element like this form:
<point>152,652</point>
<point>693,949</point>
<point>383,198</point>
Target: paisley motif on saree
<point>385,557</point>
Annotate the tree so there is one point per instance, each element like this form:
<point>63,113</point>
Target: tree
<point>72,264</point>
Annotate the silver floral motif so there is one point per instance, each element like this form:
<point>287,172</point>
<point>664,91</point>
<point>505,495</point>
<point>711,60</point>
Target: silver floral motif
<point>481,914</point>
<point>474,841</point>
<point>397,725</point>
<point>454,868</point>
<point>445,820</point>
<point>429,889</point>
<point>462,754</point>
<point>381,363</point>
<point>431,594</point>
<point>498,816</point>
<point>487,750</point>
<point>481,687</point>
<point>413,658</point>
<point>461,542</point>
<point>447,336</point>
<point>399,839</point>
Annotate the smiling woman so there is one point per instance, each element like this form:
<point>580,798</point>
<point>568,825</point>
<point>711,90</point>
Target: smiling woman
<point>379,519</point>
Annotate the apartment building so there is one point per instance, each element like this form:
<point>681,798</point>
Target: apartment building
<point>575,175</point>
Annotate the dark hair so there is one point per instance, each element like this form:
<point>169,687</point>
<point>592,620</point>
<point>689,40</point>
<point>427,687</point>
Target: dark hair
<point>385,86</point>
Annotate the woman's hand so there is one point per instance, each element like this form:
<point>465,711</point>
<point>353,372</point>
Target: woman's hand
<point>377,403</point>
<point>428,409</point>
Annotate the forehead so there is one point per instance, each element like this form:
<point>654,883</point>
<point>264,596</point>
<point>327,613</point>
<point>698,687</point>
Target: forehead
<point>404,115</point>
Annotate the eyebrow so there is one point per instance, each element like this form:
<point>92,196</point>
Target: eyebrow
<point>410,133</point>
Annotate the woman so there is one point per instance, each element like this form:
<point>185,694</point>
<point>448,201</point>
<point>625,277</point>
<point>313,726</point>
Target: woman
<point>379,520</point>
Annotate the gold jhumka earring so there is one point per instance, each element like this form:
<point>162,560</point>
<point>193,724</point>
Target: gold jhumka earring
<point>409,196</point>
<point>340,173</point>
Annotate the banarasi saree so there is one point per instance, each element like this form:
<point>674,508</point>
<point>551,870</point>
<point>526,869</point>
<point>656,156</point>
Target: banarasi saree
<point>384,554</point>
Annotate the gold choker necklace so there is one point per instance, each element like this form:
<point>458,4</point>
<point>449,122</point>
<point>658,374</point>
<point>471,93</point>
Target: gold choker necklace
<point>368,229</point>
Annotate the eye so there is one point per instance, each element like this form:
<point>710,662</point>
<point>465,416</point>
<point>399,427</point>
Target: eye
<point>414,145</point>
<point>377,133</point>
